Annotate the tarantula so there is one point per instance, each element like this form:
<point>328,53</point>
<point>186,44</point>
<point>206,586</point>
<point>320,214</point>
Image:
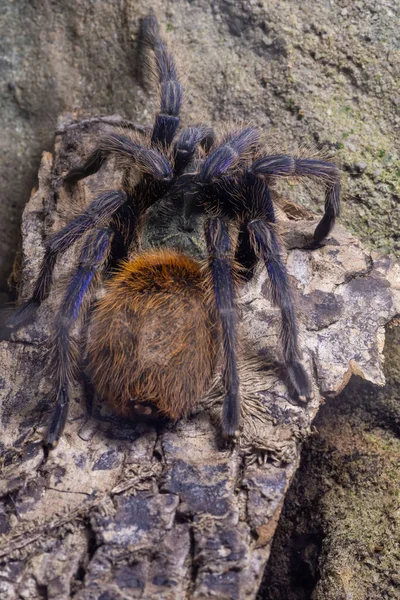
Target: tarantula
<point>194,215</point>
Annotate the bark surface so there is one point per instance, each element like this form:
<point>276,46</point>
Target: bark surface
<point>122,511</point>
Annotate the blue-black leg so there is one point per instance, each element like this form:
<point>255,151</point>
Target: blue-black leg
<point>220,261</point>
<point>186,145</point>
<point>149,161</point>
<point>256,203</point>
<point>331,175</point>
<point>281,165</point>
<point>167,121</point>
<point>99,212</point>
<point>245,255</point>
<point>92,164</point>
<point>332,208</point>
<point>266,247</point>
<point>93,255</point>
<point>228,153</point>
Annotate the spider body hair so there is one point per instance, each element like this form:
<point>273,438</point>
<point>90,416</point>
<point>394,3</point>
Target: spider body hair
<point>193,219</point>
<point>154,335</point>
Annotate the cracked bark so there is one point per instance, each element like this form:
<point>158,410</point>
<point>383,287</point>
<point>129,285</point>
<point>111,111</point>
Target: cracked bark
<point>131,511</point>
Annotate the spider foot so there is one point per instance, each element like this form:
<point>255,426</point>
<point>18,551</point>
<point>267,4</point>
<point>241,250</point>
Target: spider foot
<point>58,419</point>
<point>231,416</point>
<point>300,382</point>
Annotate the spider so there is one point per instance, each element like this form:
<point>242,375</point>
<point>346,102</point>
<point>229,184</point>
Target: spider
<point>192,220</point>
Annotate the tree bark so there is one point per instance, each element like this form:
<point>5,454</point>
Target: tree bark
<point>130,510</point>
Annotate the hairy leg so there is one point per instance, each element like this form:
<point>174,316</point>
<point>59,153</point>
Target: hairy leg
<point>149,161</point>
<point>187,142</point>
<point>228,154</point>
<point>281,165</point>
<point>256,203</point>
<point>266,246</point>
<point>220,261</point>
<point>93,255</point>
<point>99,212</point>
<point>167,120</point>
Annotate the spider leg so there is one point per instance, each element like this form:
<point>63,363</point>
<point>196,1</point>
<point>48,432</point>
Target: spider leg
<point>286,166</point>
<point>256,204</point>
<point>93,254</point>
<point>91,165</point>
<point>220,260</point>
<point>167,121</point>
<point>228,153</point>
<point>266,246</point>
<point>186,145</point>
<point>99,212</point>
<point>148,160</point>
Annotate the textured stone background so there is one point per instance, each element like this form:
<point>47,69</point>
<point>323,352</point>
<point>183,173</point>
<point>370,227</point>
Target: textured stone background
<point>320,70</point>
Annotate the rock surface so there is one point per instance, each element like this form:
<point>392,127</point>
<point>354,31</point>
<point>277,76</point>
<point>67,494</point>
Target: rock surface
<point>338,536</point>
<point>123,510</point>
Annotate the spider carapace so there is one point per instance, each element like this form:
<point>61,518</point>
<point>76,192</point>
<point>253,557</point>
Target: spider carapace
<point>193,217</point>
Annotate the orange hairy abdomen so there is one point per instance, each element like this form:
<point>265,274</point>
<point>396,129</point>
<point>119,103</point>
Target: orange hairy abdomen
<point>153,336</point>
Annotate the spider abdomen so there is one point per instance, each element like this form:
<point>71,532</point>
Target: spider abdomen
<point>152,338</point>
